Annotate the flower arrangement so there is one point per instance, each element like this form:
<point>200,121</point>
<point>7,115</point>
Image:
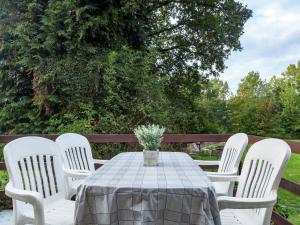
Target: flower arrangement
<point>149,136</point>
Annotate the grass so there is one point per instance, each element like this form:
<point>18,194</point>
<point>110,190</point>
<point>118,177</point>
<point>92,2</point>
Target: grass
<point>287,199</point>
<point>205,157</point>
<point>291,203</point>
<point>292,172</point>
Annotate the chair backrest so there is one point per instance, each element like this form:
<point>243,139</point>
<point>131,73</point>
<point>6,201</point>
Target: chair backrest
<point>76,152</point>
<point>232,153</point>
<point>261,173</point>
<point>34,163</point>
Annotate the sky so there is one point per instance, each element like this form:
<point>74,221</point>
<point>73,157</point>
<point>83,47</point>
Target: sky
<point>271,41</point>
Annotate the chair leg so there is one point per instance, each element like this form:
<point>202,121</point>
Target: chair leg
<point>20,223</point>
<point>16,218</point>
<point>231,189</point>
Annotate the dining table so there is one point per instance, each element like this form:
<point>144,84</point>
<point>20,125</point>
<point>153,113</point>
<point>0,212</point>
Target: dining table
<point>125,192</point>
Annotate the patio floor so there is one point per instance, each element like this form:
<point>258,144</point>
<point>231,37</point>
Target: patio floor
<point>6,217</point>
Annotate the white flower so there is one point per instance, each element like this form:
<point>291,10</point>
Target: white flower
<point>149,136</point>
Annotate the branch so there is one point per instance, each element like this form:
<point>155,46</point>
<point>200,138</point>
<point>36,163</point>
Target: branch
<point>168,28</point>
<point>170,48</point>
<point>163,3</point>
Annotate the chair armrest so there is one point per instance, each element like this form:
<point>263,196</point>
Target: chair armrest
<point>31,197</point>
<point>100,161</point>
<point>209,173</point>
<point>226,202</point>
<point>207,162</point>
<point>79,174</point>
<point>223,178</point>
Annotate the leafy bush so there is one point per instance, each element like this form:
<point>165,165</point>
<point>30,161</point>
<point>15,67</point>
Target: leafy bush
<point>208,149</point>
<point>3,179</point>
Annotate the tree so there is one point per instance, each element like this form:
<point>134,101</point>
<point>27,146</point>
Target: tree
<point>216,94</point>
<point>17,108</point>
<point>252,109</point>
<point>65,52</point>
<point>289,97</point>
<point>197,34</point>
<point>132,91</point>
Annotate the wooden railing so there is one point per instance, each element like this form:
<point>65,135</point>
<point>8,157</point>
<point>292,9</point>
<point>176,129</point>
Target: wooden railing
<point>175,138</point>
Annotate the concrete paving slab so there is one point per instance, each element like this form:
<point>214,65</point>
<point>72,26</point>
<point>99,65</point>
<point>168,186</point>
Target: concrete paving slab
<point>6,217</point>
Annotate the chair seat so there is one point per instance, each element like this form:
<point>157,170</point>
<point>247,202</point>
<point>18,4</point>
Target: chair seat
<point>222,188</point>
<point>238,217</point>
<point>58,212</point>
<point>75,184</point>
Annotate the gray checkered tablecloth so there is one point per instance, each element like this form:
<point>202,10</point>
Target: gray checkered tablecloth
<point>124,192</point>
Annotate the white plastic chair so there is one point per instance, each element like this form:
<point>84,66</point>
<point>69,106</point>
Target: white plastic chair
<point>229,163</point>
<point>36,182</point>
<point>258,184</point>
<point>77,160</point>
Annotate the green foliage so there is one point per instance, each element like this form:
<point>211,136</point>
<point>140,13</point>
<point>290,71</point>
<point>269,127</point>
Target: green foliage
<point>288,205</point>
<point>208,149</point>
<point>251,109</point>
<point>108,66</point>
<point>91,66</point>
<point>267,108</point>
<point>132,90</point>
<point>197,35</point>
<point>149,136</point>
<point>196,105</point>
<point>292,171</point>
<point>281,210</point>
<point>3,179</point>
<point>3,182</point>
<point>289,97</point>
